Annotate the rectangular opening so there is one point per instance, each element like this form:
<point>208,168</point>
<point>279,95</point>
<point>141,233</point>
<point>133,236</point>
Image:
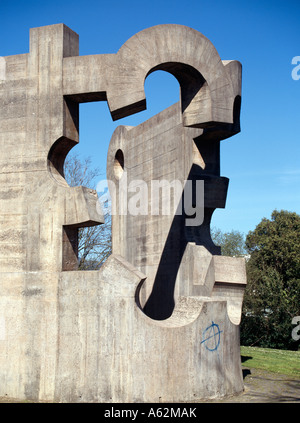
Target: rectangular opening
<point>70,248</point>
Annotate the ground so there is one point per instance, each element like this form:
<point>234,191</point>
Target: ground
<point>266,387</point>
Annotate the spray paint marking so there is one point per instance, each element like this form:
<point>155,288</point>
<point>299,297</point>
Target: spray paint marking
<point>211,337</point>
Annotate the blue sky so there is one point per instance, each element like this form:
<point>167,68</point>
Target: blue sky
<point>263,161</point>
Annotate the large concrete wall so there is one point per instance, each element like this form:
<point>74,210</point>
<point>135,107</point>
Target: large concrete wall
<point>77,336</point>
<point>74,337</point>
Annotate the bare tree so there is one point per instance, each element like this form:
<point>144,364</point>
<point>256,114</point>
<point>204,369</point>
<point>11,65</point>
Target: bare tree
<point>94,242</point>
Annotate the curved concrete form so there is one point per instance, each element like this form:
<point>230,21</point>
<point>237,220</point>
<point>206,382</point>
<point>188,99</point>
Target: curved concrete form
<point>159,321</point>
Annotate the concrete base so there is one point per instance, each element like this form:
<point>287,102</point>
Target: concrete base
<point>81,337</point>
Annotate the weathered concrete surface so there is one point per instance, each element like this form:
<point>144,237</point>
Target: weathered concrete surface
<point>111,351</point>
<point>72,337</point>
<point>154,240</point>
<point>260,386</point>
<point>84,336</point>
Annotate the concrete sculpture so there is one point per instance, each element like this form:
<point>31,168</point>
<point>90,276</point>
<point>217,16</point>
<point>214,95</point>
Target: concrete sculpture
<point>159,321</point>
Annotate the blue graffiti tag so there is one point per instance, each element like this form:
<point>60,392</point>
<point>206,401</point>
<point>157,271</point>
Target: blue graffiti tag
<point>211,337</point>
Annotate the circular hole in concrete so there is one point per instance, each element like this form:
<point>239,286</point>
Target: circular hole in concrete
<point>119,164</point>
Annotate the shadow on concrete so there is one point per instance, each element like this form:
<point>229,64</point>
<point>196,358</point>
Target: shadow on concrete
<point>161,303</point>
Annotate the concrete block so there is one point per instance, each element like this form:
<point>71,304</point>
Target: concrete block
<point>159,321</point>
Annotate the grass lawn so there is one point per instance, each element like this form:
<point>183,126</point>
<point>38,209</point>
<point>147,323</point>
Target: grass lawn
<point>278,361</point>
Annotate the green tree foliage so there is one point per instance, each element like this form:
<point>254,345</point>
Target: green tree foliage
<point>232,243</point>
<point>272,296</point>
